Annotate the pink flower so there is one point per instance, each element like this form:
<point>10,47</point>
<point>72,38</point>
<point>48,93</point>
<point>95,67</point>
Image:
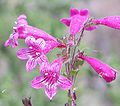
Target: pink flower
<point>17,32</point>
<point>23,30</point>
<point>35,51</point>
<point>77,20</point>
<point>105,71</point>
<point>50,78</point>
<point>110,21</point>
<point>12,41</point>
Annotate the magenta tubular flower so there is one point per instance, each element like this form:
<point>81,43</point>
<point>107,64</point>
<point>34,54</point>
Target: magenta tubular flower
<point>76,21</point>
<point>105,71</point>
<point>35,51</point>
<point>38,33</point>
<point>110,21</point>
<point>50,78</point>
<point>17,32</point>
<point>23,30</point>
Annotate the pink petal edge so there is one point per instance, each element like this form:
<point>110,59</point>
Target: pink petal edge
<point>31,63</point>
<point>22,54</point>
<point>73,11</point>
<point>37,82</point>
<point>51,92</point>
<point>64,83</point>
<point>65,21</point>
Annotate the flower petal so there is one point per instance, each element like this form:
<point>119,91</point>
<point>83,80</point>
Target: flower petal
<point>42,58</point>
<point>12,41</point>
<point>56,65</point>
<point>21,32</point>
<point>84,12</point>
<point>50,91</point>
<point>40,42</point>
<point>105,71</point>
<point>45,66</point>
<point>22,53</point>
<point>64,83</point>
<point>38,82</point>
<point>38,33</point>
<point>111,21</point>
<point>77,23</point>
<point>31,63</point>
<point>30,40</point>
<point>73,11</point>
<point>65,21</point>
<point>49,46</point>
<point>37,45</point>
<point>21,20</point>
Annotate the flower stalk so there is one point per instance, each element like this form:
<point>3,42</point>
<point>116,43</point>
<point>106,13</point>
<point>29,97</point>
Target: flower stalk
<point>69,66</point>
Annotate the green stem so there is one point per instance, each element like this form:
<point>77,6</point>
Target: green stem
<point>74,50</point>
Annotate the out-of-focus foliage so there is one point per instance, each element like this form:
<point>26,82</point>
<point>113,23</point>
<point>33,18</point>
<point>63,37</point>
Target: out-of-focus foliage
<point>45,14</point>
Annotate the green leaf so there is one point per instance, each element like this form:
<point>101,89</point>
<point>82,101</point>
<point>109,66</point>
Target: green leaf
<point>74,72</point>
<point>78,63</point>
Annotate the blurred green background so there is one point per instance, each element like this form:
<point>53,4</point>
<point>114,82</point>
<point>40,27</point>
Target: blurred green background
<point>45,14</point>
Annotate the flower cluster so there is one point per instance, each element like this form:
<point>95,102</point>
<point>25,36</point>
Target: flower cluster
<point>79,21</point>
<point>39,43</point>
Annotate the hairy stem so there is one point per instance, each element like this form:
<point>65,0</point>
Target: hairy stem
<point>74,50</point>
<point>69,67</point>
